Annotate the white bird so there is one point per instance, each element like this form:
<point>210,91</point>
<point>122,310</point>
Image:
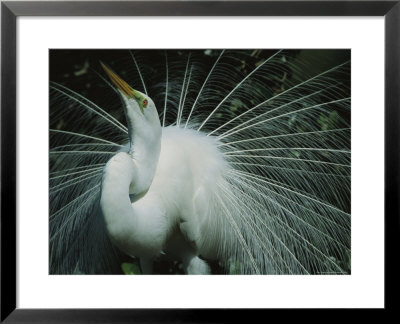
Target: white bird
<point>166,213</point>
<point>196,196</point>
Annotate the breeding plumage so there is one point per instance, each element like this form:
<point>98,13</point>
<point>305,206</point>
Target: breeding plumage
<point>248,164</point>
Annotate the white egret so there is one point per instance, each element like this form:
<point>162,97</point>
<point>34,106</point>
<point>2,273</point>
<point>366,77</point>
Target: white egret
<point>251,175</point>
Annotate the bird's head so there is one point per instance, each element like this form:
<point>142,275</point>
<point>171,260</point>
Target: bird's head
<point>141,112</point>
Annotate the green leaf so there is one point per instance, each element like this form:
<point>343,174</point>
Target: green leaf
<point>234,268</point>
<point>235,104</point>
<point>296,154</point>
<point>328,122</point>
<point>130,268</point>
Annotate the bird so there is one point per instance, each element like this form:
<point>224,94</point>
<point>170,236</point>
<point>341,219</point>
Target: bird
<point>235,160</point>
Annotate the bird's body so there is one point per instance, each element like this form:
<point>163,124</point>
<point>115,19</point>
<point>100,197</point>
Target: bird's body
<point>245,164</point>
<point>165,213</point>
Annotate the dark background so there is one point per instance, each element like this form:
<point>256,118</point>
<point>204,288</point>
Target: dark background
<point>80,70</point>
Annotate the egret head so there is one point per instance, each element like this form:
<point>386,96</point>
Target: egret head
<point>141,113</point>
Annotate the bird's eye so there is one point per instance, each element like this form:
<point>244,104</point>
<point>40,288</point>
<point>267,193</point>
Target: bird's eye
<point>145,102</point>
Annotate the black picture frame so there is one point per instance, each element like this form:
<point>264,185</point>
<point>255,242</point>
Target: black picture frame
<point>10,10</point>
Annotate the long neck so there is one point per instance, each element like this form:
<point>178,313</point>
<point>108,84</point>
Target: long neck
<point>145,151</point>
<point>115,204</point>
<point>129,173</point>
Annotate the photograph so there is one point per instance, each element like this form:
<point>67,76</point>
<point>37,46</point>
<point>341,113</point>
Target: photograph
<point>200,161</point>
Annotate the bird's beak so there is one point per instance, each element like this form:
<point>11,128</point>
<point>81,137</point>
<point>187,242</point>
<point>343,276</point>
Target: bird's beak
<point>122,86</point>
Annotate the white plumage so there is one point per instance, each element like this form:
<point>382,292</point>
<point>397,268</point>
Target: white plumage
<point>168,210</point>
<point>257,181</point>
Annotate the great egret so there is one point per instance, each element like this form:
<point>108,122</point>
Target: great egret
<point>253,170</point>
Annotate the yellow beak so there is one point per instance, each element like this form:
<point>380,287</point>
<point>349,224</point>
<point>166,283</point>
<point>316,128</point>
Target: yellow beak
<point>124,87</point>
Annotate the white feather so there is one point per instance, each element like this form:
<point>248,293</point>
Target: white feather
<point>248,174</point>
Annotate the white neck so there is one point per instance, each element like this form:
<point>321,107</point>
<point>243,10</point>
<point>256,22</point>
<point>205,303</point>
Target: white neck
<point>131,173</point>
<point>115,203</point>
<point>144,151</point>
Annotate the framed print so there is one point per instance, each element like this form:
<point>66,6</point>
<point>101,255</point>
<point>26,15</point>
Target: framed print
<point>146,145</point>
